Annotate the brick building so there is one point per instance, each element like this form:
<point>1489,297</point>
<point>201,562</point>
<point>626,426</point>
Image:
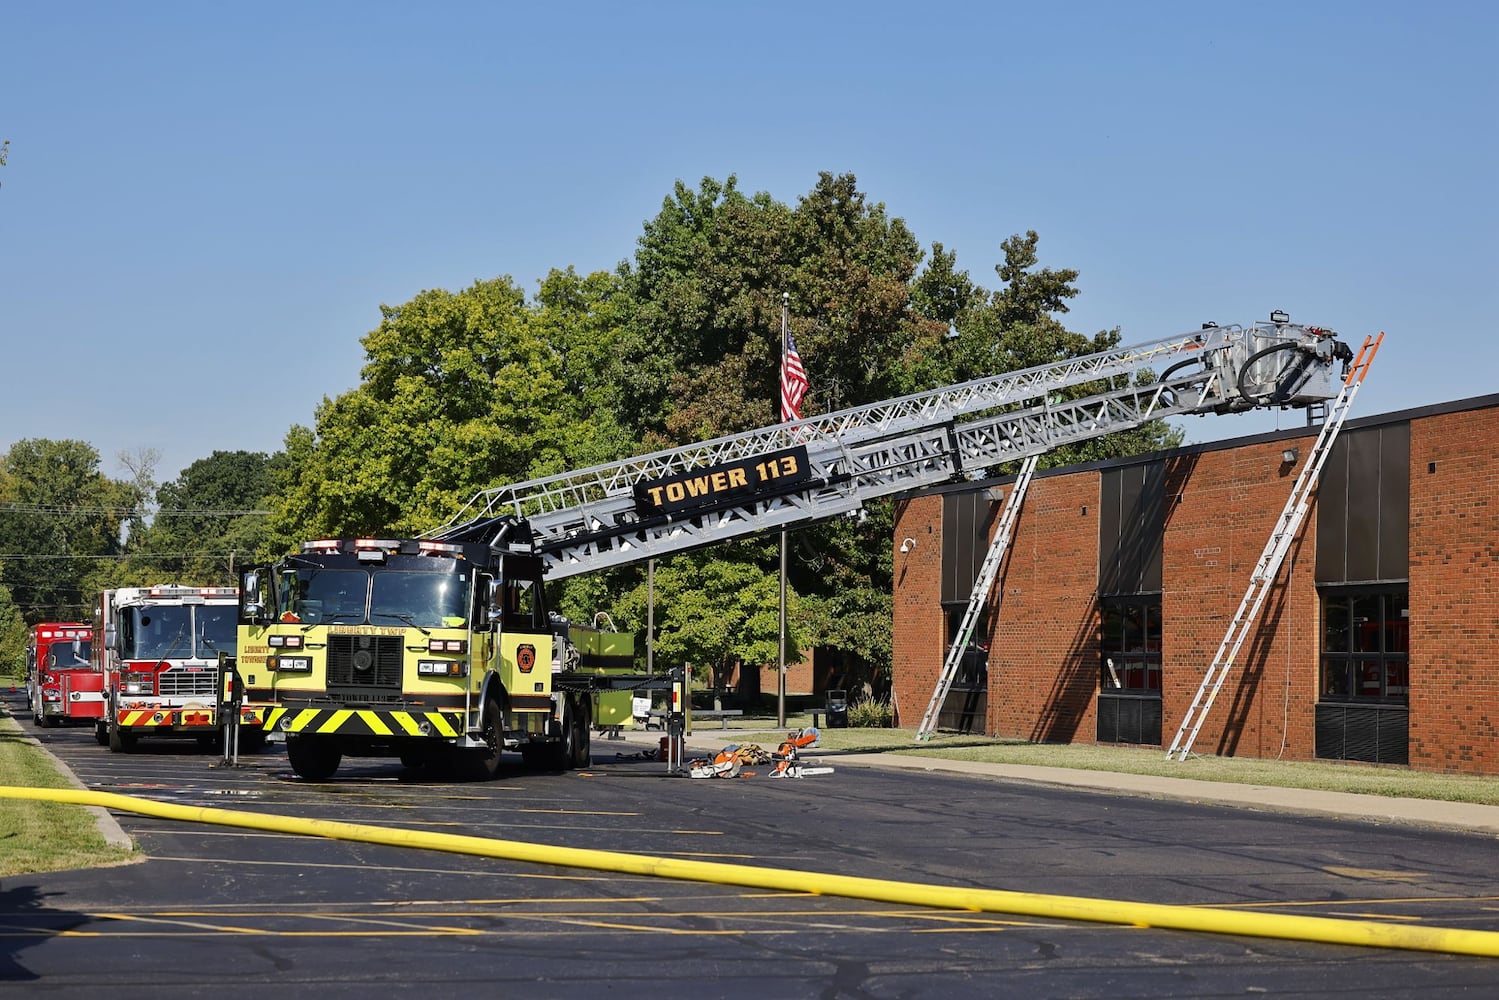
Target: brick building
<point>1376,643</point>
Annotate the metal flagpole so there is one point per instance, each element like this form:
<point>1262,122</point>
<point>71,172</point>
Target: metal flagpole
<point>781,664</point>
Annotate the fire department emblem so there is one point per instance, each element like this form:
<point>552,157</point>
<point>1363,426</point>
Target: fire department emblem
<point>525,657</point>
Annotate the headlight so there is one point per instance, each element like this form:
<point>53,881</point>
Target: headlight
<point>441,668</point>
<point>138,683</point>
<point>289,664</point>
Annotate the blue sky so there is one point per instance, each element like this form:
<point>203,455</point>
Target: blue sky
<point>206,204</point>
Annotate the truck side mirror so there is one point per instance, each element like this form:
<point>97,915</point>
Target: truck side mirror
<point>494,594</point>
<point>251,600</point>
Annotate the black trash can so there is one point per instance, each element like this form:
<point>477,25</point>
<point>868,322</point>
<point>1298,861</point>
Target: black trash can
<point>837,708</point>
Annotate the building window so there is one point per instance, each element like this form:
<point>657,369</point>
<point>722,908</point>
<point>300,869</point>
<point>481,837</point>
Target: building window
<point>1130,646</point>
<point>1366,645</point>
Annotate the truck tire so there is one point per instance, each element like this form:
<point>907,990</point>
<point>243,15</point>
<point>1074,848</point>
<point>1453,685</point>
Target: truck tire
<point>484,765</point>
<point>36,711</point>
<point>555,754</point>
<point>582,743</point>
<point>101,734</point>
<point>121,740</point>
<point>313,759</point>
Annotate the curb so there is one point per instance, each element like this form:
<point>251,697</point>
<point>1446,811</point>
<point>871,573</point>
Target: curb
<point>109,827</point>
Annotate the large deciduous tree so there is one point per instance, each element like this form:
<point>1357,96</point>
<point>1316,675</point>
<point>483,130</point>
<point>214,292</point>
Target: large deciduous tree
<point>59,518</point>
<point>467,390</point>
<point>208,518</point>
<point>13,634</point>
<point>460,391</point>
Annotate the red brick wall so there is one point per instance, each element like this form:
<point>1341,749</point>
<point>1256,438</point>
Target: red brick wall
<point>919,633</point>
<point>1454,592</point>
<point>1044,656</point>
<point>1221,509</point>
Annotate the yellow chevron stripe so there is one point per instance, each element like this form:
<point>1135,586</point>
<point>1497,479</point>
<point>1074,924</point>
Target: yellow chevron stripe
<point>336,720</point>
<point>441,724</point>
<point>330,722</point>
<point>376,723</point>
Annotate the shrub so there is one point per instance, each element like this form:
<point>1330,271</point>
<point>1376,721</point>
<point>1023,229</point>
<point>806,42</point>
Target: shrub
<point>870,714</point>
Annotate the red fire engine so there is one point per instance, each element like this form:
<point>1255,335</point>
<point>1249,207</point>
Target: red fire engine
<point>159,652</point>
<point>61,683</point>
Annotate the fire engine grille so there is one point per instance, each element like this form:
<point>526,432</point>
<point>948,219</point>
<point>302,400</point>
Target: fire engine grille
<point>182,682</point>
<point>364,661</point>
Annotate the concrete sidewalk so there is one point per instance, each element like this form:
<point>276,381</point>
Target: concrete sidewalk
<point>1363,808</point>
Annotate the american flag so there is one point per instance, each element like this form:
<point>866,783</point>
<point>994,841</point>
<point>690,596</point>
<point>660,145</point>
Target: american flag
<point>793,382</point>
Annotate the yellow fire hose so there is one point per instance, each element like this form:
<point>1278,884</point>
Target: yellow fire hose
<point>1324,930</point>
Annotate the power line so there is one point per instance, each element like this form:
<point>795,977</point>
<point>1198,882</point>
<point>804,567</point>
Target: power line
<point>39,508</point>
<point>20,556</point>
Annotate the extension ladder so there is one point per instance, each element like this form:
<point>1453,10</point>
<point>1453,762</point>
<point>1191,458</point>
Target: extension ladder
<point>1268,567</point>
<point>988,572</point>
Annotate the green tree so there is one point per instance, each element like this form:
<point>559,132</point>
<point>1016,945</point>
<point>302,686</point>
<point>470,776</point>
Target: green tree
<point>462,391</point>
<point>716,610</point>
<point>13,635</point>
<point>704,351</point>
<point>459,392</point>
<point>1016,327</point>
<point>206,518</point>
<point>60,522</point>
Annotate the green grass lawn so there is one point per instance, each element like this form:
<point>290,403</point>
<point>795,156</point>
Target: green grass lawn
<point>43,836</point>
<point>1363,779</point>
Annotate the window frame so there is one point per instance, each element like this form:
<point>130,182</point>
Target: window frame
<point>1134,646</point>
<point>1368,665</point>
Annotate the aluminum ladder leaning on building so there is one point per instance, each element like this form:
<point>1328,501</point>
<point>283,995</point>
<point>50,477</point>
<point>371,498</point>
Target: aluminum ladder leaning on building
<point>988,572</point>
<point>1268,567</point>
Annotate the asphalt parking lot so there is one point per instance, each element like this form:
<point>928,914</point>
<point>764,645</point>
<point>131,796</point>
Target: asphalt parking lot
<point>223,910</point>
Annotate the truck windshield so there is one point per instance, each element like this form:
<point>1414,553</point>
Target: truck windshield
<point>314,596</point>
<point>158,633</point>
<point>429,600</point>
<point>62,655</point>
<point>217,631</point>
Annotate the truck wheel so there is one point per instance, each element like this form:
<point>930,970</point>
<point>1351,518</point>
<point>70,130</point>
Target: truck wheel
<point>313,759</point>
<point>565,751</point>
<point>582,744</point>
<point>251,740</point>
<point>484,765</point>
<point>121,740</point>
<point>36,713</point>
<point>555,754</point>
<point>52,721</point>
<point>101,734</point>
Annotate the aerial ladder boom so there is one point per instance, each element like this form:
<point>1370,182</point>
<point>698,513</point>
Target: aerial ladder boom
<point>809,470</point>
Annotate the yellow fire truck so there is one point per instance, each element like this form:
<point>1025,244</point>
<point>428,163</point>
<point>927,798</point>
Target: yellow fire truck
<point>441,654</point>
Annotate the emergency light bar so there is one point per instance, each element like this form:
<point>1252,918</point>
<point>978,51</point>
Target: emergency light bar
<point>174,590</point>
<point>376,549</point>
